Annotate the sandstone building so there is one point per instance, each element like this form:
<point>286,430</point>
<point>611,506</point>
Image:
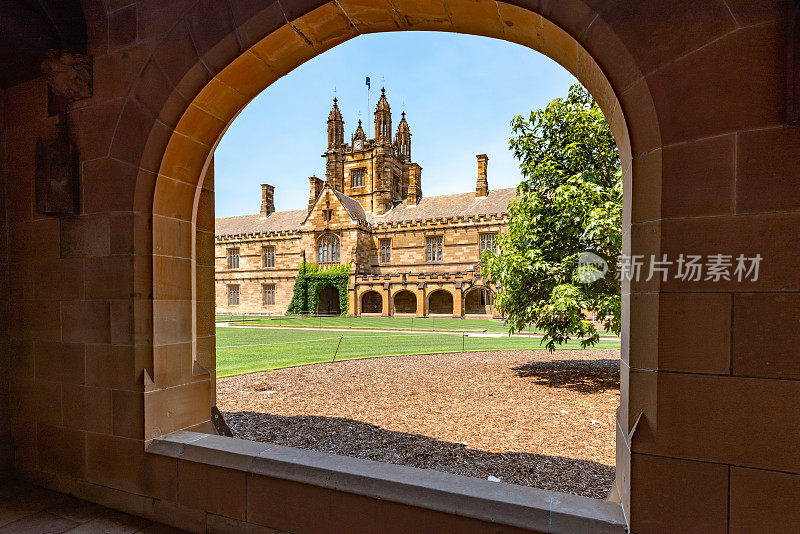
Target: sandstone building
<point>408,254</point>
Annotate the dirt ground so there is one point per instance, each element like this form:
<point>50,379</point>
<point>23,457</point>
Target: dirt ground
<point>526,417</point>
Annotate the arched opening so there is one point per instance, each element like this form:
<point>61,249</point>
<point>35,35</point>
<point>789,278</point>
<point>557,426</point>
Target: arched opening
<point>371,302</point>
<point>479,301</point>
<point>440,302</point>
<point>328,301</point>
<point>405,302</point>
<point>178,334</point>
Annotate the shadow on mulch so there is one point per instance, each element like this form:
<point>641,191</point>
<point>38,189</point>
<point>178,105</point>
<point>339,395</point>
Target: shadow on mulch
<point>364,440</point>
<point>583,376</point>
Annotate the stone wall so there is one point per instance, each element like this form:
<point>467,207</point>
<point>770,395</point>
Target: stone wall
<point>5,425</point>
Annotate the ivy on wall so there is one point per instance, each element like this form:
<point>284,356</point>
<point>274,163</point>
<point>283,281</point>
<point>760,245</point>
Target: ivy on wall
<point>311,279</point>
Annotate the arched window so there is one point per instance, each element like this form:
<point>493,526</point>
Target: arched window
<point>328,249</point>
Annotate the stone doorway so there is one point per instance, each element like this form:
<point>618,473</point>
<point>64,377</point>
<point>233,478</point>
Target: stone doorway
<point>328,302</point>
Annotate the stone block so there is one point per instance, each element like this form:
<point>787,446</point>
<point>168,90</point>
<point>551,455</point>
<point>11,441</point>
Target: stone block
<point>671,495</point>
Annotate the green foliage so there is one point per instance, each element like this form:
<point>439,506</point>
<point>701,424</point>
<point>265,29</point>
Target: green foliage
<point>310,281</point>
<point>569,202</point>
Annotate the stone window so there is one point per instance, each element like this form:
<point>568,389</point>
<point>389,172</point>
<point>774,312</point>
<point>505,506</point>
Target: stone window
<point>487,242</point>
<point>433,248</point>
<point>233,295</point>
<point>357,176</point>
<point>269,256</point>
<point>328,251</point>
<point>269,294</point>
<point>386,250</point>
<point>233,258</point>
<point>327,215</point>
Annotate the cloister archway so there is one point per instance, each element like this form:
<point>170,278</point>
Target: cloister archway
<point>440,302</point>
<point>405,302</point>
<point>270,48</point>
<point>371,302</point>
<point>479,301</point>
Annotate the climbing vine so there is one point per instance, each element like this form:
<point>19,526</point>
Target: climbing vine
<point>311,279</point>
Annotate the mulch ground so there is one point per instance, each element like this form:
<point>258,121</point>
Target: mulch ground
<point>526,417</point>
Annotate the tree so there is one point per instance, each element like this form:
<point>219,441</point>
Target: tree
<point>565,224</point>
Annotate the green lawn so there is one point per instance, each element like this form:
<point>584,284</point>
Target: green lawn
<point>273,349</point>
<point>379,323</point>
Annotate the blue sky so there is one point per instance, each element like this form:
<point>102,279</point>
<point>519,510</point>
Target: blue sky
<point>459,92</point>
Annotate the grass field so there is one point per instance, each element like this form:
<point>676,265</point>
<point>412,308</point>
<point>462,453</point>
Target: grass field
<point>247,350</point>
<point>378,323</point>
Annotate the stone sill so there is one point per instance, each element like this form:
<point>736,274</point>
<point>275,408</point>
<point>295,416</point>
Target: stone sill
<point>506,504</point>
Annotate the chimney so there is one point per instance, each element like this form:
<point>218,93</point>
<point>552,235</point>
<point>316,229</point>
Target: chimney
<point>482,188</point>
<point>267,200</point>
<point>414,184</point>
<point>315,188</point>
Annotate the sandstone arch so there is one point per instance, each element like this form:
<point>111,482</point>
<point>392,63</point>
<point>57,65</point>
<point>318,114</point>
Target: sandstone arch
<point>405,301</point>
<point>479,300</point>
<point>371,302</point>
<point>440,302</point>
<point>234,64</point>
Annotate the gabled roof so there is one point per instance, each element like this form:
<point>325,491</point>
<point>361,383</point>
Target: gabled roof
<point>351,206</point>
<point>462,204</point>
<point>252,224</point>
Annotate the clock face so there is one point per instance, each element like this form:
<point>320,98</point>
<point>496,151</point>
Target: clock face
<point>357,145</point>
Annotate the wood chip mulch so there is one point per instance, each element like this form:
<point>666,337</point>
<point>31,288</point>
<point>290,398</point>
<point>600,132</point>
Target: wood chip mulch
<point>526,417</point>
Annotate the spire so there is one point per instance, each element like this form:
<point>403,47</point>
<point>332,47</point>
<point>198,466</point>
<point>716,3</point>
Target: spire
<point>335,126</point>
<point>383,103</point>
<point>403,138</point>
<point>360,132</point>
<point>383,118</point>
<point>335,114</point>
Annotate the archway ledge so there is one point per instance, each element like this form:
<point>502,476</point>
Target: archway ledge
<point>419,491</point>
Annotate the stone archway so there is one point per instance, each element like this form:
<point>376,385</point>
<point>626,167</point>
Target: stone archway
<point>328,301</point>
<point>479,301</point>
<point>178,160</point>
<point>405,302</point>
<point>440,302</point>
<point>180,183</point>
<point>371,302</point>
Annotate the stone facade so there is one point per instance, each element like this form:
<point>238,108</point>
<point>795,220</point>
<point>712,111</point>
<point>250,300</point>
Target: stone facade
<point>369,212</point>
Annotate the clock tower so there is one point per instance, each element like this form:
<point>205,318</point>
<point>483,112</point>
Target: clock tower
<point>376,172</point>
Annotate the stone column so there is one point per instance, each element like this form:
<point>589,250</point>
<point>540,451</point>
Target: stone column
<point>420,293</point>
<point>386,306</point>
<point>353,305</point>
<point>458,301</point>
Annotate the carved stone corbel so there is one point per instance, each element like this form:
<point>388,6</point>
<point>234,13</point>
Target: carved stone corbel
<point>68,74</point>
